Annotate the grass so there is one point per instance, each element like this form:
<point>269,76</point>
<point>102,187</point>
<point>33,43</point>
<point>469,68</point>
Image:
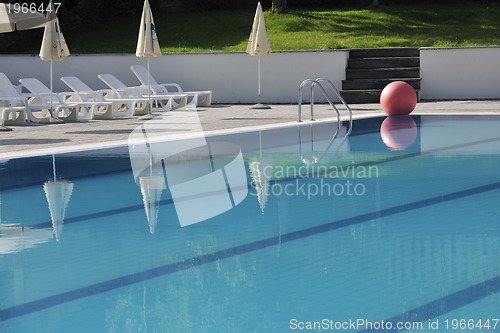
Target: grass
<point>441,25</point>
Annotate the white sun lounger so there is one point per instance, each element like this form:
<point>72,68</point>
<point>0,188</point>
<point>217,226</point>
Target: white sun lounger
<point>67,111</point>
<point>159,102</point>
<point>112,107</point>
<point>199,98</point>
<point>17,113</point>
<point>17,108</point>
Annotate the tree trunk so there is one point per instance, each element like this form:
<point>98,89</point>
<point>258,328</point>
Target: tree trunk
<point>279,6</point>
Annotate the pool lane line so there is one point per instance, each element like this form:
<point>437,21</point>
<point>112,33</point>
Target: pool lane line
<point>69,220</point>
<point>168,201</point>
<point>441,306</point>
<point>271,147</point>
<point>99,174</point>
<point>367,163</point>
<point>121,210</point>
<point>80,218</point>
<point>91,175</point>
<point>98,288</point>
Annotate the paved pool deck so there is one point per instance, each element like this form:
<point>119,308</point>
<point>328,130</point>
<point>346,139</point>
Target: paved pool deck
<point>38,139</point>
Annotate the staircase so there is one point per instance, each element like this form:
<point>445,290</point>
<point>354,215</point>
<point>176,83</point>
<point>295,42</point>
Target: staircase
<point>370,70</point>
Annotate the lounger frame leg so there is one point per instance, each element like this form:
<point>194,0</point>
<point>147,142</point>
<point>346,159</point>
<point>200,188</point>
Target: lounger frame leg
<point>207,101</point>
<point>20,117</point>
<point>98,114</point>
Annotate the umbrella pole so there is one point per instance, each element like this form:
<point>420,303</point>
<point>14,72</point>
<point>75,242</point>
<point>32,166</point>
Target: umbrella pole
<point>149,114</point>
<point>259,105</point>
<point>258,79</point>
<point>51,90</point>
<point>150,109</point>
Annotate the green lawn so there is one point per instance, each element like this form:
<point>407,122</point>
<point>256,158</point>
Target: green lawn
<point>386,26</point>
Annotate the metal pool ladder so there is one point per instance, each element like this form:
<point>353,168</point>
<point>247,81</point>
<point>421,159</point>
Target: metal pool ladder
<point>317,82</point>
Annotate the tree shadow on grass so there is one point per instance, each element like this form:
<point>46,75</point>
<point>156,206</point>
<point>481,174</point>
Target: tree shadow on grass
<point>414,25</point>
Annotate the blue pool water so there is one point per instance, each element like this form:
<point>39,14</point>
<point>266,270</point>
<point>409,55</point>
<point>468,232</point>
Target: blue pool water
<point>399,225</point>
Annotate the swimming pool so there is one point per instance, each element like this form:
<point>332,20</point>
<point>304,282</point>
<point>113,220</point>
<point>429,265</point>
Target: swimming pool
<point>396,224</point>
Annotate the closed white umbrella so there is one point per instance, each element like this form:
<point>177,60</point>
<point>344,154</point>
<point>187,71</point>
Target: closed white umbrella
<point>152,184</point>
<point>259,45</point>
<point>54,46</point>
<point>147,42</point>
<point>13,18</point>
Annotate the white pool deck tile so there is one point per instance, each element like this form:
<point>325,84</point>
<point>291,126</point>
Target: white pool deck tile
<point>38,139</point>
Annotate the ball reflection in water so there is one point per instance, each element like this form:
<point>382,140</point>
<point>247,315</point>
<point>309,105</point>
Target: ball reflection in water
<point>398,132</point>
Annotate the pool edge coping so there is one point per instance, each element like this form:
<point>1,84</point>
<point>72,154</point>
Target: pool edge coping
<point>123,143</point>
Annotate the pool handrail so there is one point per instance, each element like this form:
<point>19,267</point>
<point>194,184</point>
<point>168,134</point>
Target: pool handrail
<point>341,100</point>
<point>313,83</point>
<point>318,81</point>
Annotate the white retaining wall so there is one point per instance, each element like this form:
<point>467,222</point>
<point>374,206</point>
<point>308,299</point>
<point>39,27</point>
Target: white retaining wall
<point>460,73</point>
<point>447,73</point>
<point>231,76</point>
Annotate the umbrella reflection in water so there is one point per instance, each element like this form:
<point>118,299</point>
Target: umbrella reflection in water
<point>152,184</point>
<point>260,179</point>
<point>58,193</point>
<point>261,171</point>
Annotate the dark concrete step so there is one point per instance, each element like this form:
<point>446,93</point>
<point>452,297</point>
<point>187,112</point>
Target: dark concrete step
<point>383,62</point>
<point>385,52</point>
<point>361,96</point>
<point>368,84</point>
<point>383,73</point>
